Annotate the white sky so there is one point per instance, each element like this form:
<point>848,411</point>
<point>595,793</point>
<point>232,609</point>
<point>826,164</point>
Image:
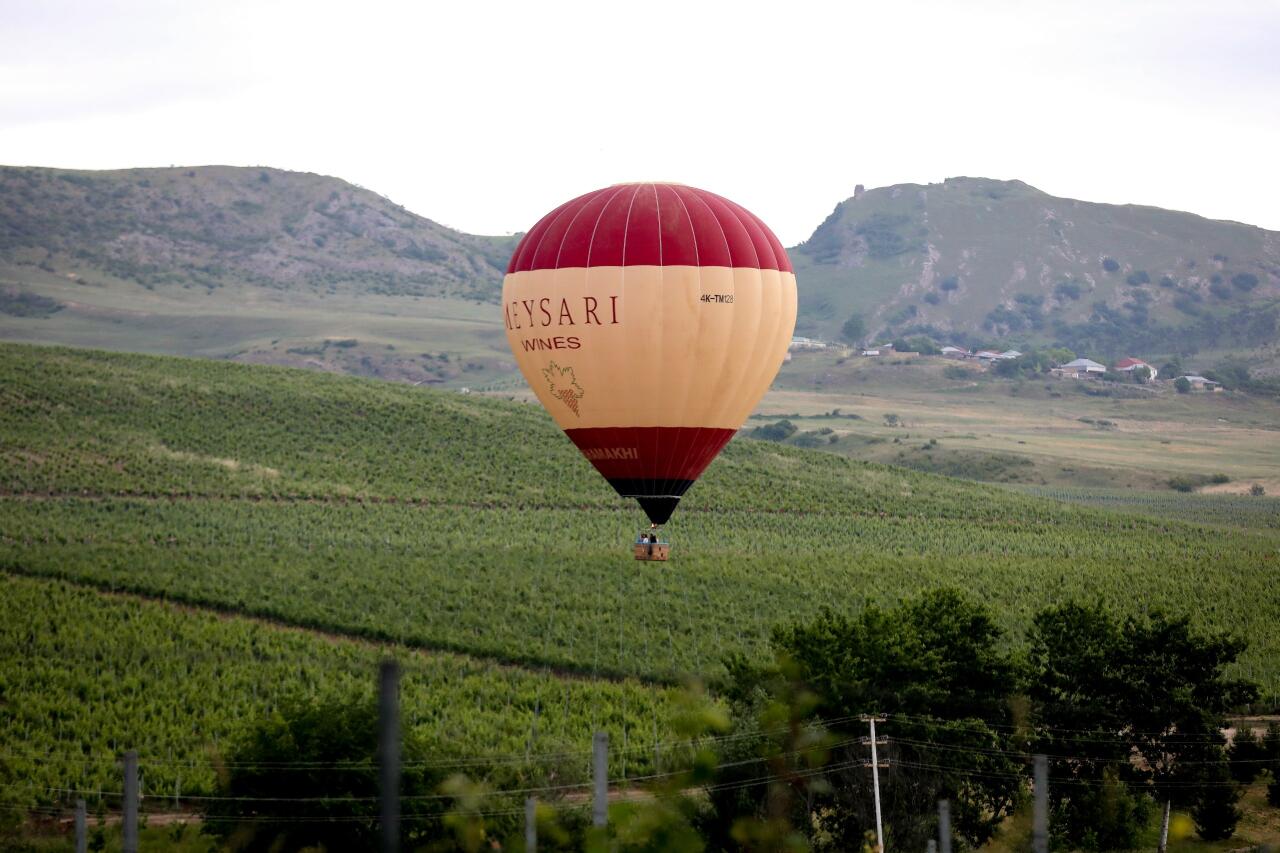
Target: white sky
<point>484,116</point>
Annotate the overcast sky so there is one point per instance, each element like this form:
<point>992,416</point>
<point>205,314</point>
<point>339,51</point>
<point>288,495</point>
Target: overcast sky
<point>484,116</point>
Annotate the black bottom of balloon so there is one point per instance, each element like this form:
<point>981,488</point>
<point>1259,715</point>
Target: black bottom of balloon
<point>658,498</point>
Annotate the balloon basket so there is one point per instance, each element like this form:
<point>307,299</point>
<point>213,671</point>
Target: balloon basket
<point>657,551</point>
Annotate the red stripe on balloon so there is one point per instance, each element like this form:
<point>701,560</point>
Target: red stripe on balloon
<point>649,225</point>
<point>650,453</point>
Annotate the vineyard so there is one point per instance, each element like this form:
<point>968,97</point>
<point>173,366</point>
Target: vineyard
<point>467,535</point>
<point>85,677</point>
<point>1229,510</point>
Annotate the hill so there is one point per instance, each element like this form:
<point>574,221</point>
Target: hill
<point>304,497</point>
<point>173,529</point>
<point>973,259</point>
<point>211,226</point>
<point>260,265</point>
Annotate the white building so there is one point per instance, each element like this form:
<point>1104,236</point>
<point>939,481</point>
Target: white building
<point>1083,366</point>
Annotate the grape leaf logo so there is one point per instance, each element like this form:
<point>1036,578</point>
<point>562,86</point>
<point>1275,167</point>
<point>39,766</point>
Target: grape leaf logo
<point>564,385</point>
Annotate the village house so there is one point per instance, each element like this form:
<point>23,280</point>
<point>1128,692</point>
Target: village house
<point>1081,368</point>
<point>1199,383</point>
<point>1129,365</point>
<point>954,352</point>
<point>806,343</point>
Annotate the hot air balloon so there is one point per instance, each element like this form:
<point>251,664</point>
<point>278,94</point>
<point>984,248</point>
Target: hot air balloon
<point>649,319</point>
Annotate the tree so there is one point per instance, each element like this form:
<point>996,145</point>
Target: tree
<point>1142,374</point>
<point>322,756</point>
<point>854,329</point>
<point>1182,384</point>
<point>1245,280</point>
<point>1214,812</point>
<point>1110,264</point>
<point>935,665</point>
<point>1072,683</point>
<point>1150,688</point>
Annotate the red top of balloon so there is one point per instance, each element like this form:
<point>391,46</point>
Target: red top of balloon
<point>649,225</point>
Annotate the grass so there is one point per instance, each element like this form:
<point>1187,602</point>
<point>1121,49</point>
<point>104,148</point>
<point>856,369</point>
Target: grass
<point>259,325</point>
<point>177,528</point>
<point>1061,436</point>
<point>179,479</point>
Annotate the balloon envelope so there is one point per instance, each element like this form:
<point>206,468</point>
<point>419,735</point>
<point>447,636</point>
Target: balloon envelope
<point>649,319</point>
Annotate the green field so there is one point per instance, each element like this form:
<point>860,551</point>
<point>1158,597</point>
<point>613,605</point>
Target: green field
<point>177,513</point>
<point>1047,432</point>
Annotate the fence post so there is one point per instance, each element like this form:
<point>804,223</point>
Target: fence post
<point>389,753</point>
<point>600,772</point>
<point>82,840</point>
<point>1040,811</point>
<point>530,825</point>
<point>131,802</point>
<point>944,825</point>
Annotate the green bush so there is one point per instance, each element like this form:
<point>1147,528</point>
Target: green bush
<point>1067,290</point>
<point>1215,813</point>
<point>1137,278</point>
<point>778,431</point>
<point>1110,264</point>
<point>854,329</point>
<point>1182,385</point>
<point>1245,281</point>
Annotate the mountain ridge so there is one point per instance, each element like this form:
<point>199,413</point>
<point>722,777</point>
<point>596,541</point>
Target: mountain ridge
<point>977,258</point>
<point>133,258</point>
<point>212,225</point>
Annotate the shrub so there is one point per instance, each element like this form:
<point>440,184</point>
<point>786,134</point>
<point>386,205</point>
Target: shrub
<point>1215,812</point>
<point>1245,281</point>
<point>1182,385</point>
<point>932,298</point>
<point>1167,281</point>
<point>955,371</point>
<point>335,734</point>
<point>778,431</point>
<point>1137,278</point>
<point>1110,264</point>
<point>854,329</point>
<point>1187,304</point>
<point>949,284</point>
<point>1256,490</point>
<point>1067,290</point>
<point>1220,290</point>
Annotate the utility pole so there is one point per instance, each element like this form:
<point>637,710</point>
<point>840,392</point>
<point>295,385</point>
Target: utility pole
<point>600,772</point>
<point>944,825</point>
<point>389,753</point>
<point>1040,811</point>
<point>872,719</point>
<point>130,802</point>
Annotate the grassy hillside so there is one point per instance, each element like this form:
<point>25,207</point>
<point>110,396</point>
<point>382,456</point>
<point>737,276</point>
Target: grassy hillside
<point>259,265</point>
<point>1000,260</point>
<point>209,226</point>
<point>446,521</point>
<point>934,414</point>
<point>84,676</point>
